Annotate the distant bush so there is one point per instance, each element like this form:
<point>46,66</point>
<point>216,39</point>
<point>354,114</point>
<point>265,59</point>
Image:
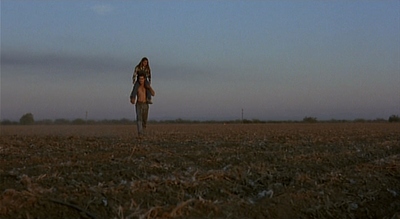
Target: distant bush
<point>90,122</point>
<point>379,120</point>
<point>78,122</point>
<point>44,122</point>
<point>337,121</point>
<point>394,118</point>
<point>27,119</point>
<point>61,121</point>
<point>310,119</point>
<point>125,121</point>
<point>8,122</point>
<point>257,121</point>
<point>252,121</point>
<point>360,120</point>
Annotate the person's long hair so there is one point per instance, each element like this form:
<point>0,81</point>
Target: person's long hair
<point>141,63</point>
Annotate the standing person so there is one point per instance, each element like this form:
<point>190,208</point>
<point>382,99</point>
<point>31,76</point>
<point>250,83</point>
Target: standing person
<point>142,106</point>
<point>142,68</point>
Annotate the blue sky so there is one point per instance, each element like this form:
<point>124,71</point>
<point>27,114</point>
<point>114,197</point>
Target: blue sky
<point>276,60</point>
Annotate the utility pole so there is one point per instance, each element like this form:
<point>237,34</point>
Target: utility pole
<point>86,116</point>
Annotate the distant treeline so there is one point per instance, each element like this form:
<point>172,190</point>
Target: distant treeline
<point>28,119</point>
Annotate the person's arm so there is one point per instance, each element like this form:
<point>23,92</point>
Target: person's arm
<point>133,94</point>
<point>147,86</point>
<point>135,74</point>
<point>153,93</point>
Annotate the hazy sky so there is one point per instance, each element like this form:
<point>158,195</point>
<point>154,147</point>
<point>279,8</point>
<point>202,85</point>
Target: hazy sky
<point>276,60</point>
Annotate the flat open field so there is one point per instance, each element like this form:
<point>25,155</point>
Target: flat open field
<point>347,170</point>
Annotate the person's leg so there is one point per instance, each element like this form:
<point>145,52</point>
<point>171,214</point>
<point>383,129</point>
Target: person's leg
<point>139,118</point>
<point>145,115</point>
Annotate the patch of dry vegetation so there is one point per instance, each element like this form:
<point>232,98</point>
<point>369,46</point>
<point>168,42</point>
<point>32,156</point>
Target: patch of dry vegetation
<point>201,171</point>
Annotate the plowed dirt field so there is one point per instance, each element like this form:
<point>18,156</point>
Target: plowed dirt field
<point>322,170</point>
